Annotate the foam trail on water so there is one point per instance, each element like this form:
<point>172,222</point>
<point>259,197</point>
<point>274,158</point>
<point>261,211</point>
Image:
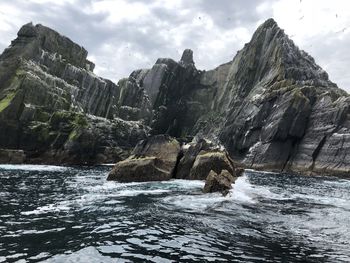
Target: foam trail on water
<point>32,167</point>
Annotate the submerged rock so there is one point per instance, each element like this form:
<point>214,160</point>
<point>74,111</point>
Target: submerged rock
<point>153,159</point>
<point>221,182</point>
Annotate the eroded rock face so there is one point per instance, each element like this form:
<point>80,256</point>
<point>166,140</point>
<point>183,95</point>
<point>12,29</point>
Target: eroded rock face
<point>12,156</point>
<point>221,182</point>
<point>276,109</point>
<point>272,107</point>
<point>207,161</point>
<point>189,154</point>
<point>139,170</point>
<point>55,108</point>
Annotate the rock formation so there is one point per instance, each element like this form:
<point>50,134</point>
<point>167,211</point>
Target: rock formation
<point>272,107</point>
<point>221,182</point>
<point>160,158</point>
<point>55,108</point>
<point>153,159</point>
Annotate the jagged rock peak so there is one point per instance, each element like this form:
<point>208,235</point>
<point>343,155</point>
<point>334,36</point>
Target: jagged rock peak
<point>27,30</point>
<point>269,23</point>
<point>32,40</point>
<point>187,57</point>
<point>272,51</point>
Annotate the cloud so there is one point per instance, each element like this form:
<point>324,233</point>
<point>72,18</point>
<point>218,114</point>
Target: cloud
<point>123,35</point>
<point>323,30</point>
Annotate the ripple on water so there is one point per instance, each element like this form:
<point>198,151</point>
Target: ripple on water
<point>58,214</point>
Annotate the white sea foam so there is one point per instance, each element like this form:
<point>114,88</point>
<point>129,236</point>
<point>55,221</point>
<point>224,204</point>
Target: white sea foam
<point>185,184</point>
<point>133,192</point>
<point>83,255</point>
<point>108,164</point>
<point>32,167</point>
<point>48,208</point>
<point>242,190</point>
<point>261,172</point>
<point>197,202</point>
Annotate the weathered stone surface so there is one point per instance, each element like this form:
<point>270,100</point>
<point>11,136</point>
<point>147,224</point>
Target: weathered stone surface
<point>207,161</point>
<point>139,170</point>
<point>162,147</point>
<point>153,159</point>
<point>275,109</point>
<point>221,182</point>
<point>260,106</point>
<point>55,108</point>
<point>189,154</point>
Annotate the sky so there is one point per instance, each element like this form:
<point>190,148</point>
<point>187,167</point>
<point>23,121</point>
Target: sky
<point>124,35</point>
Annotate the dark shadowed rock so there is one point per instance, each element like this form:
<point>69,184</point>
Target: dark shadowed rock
<point>190,152</point>
<point>12,156</point>
<point>187,58</point>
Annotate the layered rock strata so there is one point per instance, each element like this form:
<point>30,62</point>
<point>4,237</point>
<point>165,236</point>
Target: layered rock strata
<point>55,108</point>
<point>272,107</point>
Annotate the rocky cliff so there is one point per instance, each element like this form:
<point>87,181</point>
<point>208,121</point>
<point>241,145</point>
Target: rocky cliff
<point>55,108</point>
<point>272,107</point>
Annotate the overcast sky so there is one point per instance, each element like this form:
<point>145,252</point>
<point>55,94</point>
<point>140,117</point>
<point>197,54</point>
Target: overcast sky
<point>123,35</point>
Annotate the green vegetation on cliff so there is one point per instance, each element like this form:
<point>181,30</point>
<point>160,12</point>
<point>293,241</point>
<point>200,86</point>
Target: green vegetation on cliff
<point>5,102</point>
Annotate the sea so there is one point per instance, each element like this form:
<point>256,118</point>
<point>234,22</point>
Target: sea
<point>73,214</point>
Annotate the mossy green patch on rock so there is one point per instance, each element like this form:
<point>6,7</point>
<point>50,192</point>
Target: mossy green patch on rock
<point>5,102</point>
<point>68,118</point>
<point>73,135</point>
<point>42,115</point>
<point>80,121</point>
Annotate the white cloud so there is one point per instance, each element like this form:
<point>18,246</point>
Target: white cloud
<point>119,10</point>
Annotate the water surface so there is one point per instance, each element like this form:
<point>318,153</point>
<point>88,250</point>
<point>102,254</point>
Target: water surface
<point>62,214</point>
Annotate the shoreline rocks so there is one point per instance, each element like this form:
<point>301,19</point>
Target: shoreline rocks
<point>153,159</point>
<point>160,158</point>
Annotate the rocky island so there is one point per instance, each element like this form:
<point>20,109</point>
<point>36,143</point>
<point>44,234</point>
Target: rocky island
<point>271,108</point>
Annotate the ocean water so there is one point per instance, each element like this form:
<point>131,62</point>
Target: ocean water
<point>67,214</point>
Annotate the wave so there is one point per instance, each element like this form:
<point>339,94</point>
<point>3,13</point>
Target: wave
<point>33,167</point>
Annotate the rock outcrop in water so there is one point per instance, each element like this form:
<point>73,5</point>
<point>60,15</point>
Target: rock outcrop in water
<point>221,182</point>
<point>272,107</point>
<point>153,159</point>
<point>160,158</point>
